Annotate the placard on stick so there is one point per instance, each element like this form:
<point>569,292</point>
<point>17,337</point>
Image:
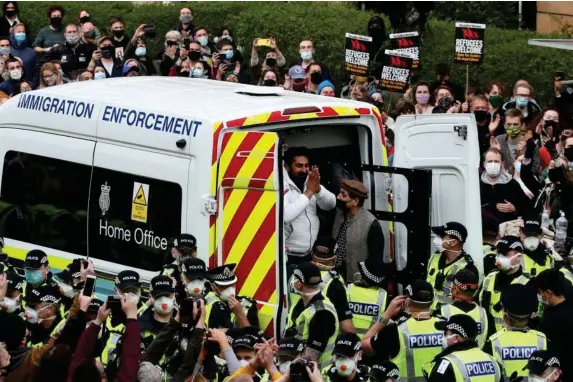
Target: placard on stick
<point>469,44</point>
<point>409,43</point>
<point>357,56</point>
<point>396,71</point>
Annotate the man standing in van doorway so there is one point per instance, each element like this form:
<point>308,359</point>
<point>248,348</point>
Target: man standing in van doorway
<point>302,194</point>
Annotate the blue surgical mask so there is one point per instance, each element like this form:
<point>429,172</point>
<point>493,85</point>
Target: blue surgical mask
<point>4,51</point>
<point>203,40</point>
<point>521,102</point>
<point>306,56</point>
<point>140,51</point>
<point>197,73</point>
<point>99,76</point>
<point>34,277</point>
<point>229,54</point>
<point>20,37</point>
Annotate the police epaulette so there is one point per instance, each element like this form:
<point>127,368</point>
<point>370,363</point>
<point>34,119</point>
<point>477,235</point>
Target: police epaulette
<point>401,319</point>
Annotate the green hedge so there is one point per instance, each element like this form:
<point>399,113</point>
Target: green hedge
<point>508,57</point>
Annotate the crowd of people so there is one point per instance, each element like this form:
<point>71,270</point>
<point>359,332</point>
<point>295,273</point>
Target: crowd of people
<point>346,320</point>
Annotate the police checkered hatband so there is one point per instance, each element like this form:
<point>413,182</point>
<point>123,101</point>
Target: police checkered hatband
<point>454,233</point>
<point>552,362</point>
<point>457,328</point>
<point>375,279</point>
<point>515,245</point>
<point>298,273</point>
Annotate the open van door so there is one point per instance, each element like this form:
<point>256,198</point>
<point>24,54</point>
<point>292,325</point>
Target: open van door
<point>248,228</point>
<point>446,144</point>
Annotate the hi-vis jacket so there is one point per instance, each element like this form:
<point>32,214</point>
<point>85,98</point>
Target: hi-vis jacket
<point>300,218</point>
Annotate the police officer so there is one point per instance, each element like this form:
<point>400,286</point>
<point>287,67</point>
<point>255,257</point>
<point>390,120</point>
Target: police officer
<point>332,282</point>
<point>347,354</point>
<point>313,318</point>
<point>290,348</point>
<point>465,286</point>
<point>65,281</point>
<point>127,284</point>
<point>536,256</point>
<point>384,371</point>
<point>543,367</point>
<point>367,297</point>
<point>42,313</point>
<point>448,259</point>
<point>512,346</point>
<point>12,302</point>
<point>156,316</point>
<point>413,339</point>
<point>490,232</point>
<point>37,270</point>
<point>462,360</point>
<point>509,271</point>
<point>184,247</point>
<point>194,277</point>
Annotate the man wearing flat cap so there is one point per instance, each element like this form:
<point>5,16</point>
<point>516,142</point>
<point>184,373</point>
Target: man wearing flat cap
<point>357,232</point>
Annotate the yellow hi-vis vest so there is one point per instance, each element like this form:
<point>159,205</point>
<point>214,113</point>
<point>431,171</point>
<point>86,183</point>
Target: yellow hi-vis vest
<point>474,365</point>
<point>477,313</point>
<point>246,303</point>
<point>488,286</point>
<point>210,299</point>
<point>512,349</point>
<point>420,342</point>
<point>530,268</point>
<point>367,306</point>
<point>327,277</point>
<point>302,327</point>
<point>115,332</point>
<point>568,275</point>
<point>443,292</point>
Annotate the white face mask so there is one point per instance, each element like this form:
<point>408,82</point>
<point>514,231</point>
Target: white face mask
<point>504,263</point>
<point>493,168</point>
<point>283,367</point>
<point>438,244</point>
<point>535,378</point>
<point>10,305</point>
<point>133,297</point>
<point>307,294</point>
<point>195,288</point>
<point>224,295</point>
<point>244,363</point>
<point>163,305</point>
<point>16,74</point>
<point>445,340</point>
<point>67,291</point>
<point>345,366</point>
<point>32,316</point>
<point>531,243</point>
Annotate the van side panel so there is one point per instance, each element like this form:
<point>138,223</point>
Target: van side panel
<point>247,222</point>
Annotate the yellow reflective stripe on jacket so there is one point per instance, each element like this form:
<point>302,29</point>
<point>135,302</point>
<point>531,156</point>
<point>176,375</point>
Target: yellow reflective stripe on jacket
<point>443,295</point>
<point>530,268</point>
<point>512,349</point>
<point>210,299</point>
<point>474,365</point>
<point>477,313</point>
<point>327,277</point>
<point>246,304</point>
<point>568,274</point>
<point>367,306</point>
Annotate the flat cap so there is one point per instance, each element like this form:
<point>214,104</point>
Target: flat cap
<point>355,188</point>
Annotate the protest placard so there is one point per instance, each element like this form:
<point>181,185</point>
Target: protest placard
<point>396,71</point>
<point>469,44</point>
<point>408,42</point>
<point>357,56</point>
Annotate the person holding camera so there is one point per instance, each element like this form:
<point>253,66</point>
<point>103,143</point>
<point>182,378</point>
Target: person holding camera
<point>347,354</point>
<point>225,63</point>
<point>313,318</point>
<point>137,49</point>
<point>104,56</point>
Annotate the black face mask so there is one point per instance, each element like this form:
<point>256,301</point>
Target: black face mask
<point>299,180</point>
<point>551,123</point>
<point>481,116</point>
<point>568,152</point>
<point>269,83</point>
<point>183,73</point>
<point>107,51</point>
<point>341,205</point>
<point>316,78</point>
<point>271,61</point>
<point>10,14</point>
<point>91,35</point>
<point>194,56</point>
<point>118,33</point>
<point>84,19</point>
<point>379,105</point>
<point>56,22</point>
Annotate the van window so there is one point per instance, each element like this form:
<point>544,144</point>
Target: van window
<point>133,220</point>
<point>44,201</point>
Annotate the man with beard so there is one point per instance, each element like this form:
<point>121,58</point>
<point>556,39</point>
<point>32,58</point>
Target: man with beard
<point>302,195</point>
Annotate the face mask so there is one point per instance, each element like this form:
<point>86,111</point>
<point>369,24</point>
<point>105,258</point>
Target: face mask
<point>56,22</point>
<point>140,51</point>
<point>197,73</point>
<point>568,152</point>
<point>107,51</point>
<point>34,277</point>
<point>283,367</point>
<point>422,99</point>
<point>99,76</point>
<point>269,83</point>
<point>271,61</point>
<point>445,340</point>
<point>316,78</point>
<point>4,51</point>
<point>72,40</point>
<point>307,294</point>
<point>20,37</point>
<point>9,305</point>
<point>298,87</point>
<point>194,56</point>
<point>91,35</point>
<point>117,33</point>
<point>439,244</point>
<point>495,101</point>
<point>31,315</point>
<point>184,73</point>
<point>15,74</point>
<point>341,204</point>
<point>84,19</point>
<point>493,169</point>
<point>133,297</point>
<point>224,295</point>
<point>67,291</point>
<point>306,56</point>
<point>513,132</point>
<point>229,54</point>
<point>10,14</point>
<point>504,263</point>
<point>244,363</point>
<point>186,19</point>
<point>202,40</point>
<point>531,243</point>
<point>163,305</point>
<point>195,288</point>
<point>345,366</point>
<point>480,115</point>
<point>521,102</point>
<point>227,37</point>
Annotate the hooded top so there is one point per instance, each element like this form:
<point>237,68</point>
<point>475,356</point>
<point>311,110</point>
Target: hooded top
<point>27,55</point>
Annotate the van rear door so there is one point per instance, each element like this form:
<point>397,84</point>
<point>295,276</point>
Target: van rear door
<point>248,232</point>
<point>446,144</point>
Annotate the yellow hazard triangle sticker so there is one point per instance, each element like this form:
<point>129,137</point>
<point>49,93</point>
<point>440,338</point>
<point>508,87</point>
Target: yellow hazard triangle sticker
<point>139,204</point>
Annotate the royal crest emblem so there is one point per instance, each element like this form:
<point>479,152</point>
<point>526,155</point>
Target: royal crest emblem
<point>104,200</point>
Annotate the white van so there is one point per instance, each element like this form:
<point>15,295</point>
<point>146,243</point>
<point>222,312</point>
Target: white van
<point>114,170</point>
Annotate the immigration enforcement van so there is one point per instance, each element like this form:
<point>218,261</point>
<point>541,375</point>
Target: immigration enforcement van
<point>114,170</point>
